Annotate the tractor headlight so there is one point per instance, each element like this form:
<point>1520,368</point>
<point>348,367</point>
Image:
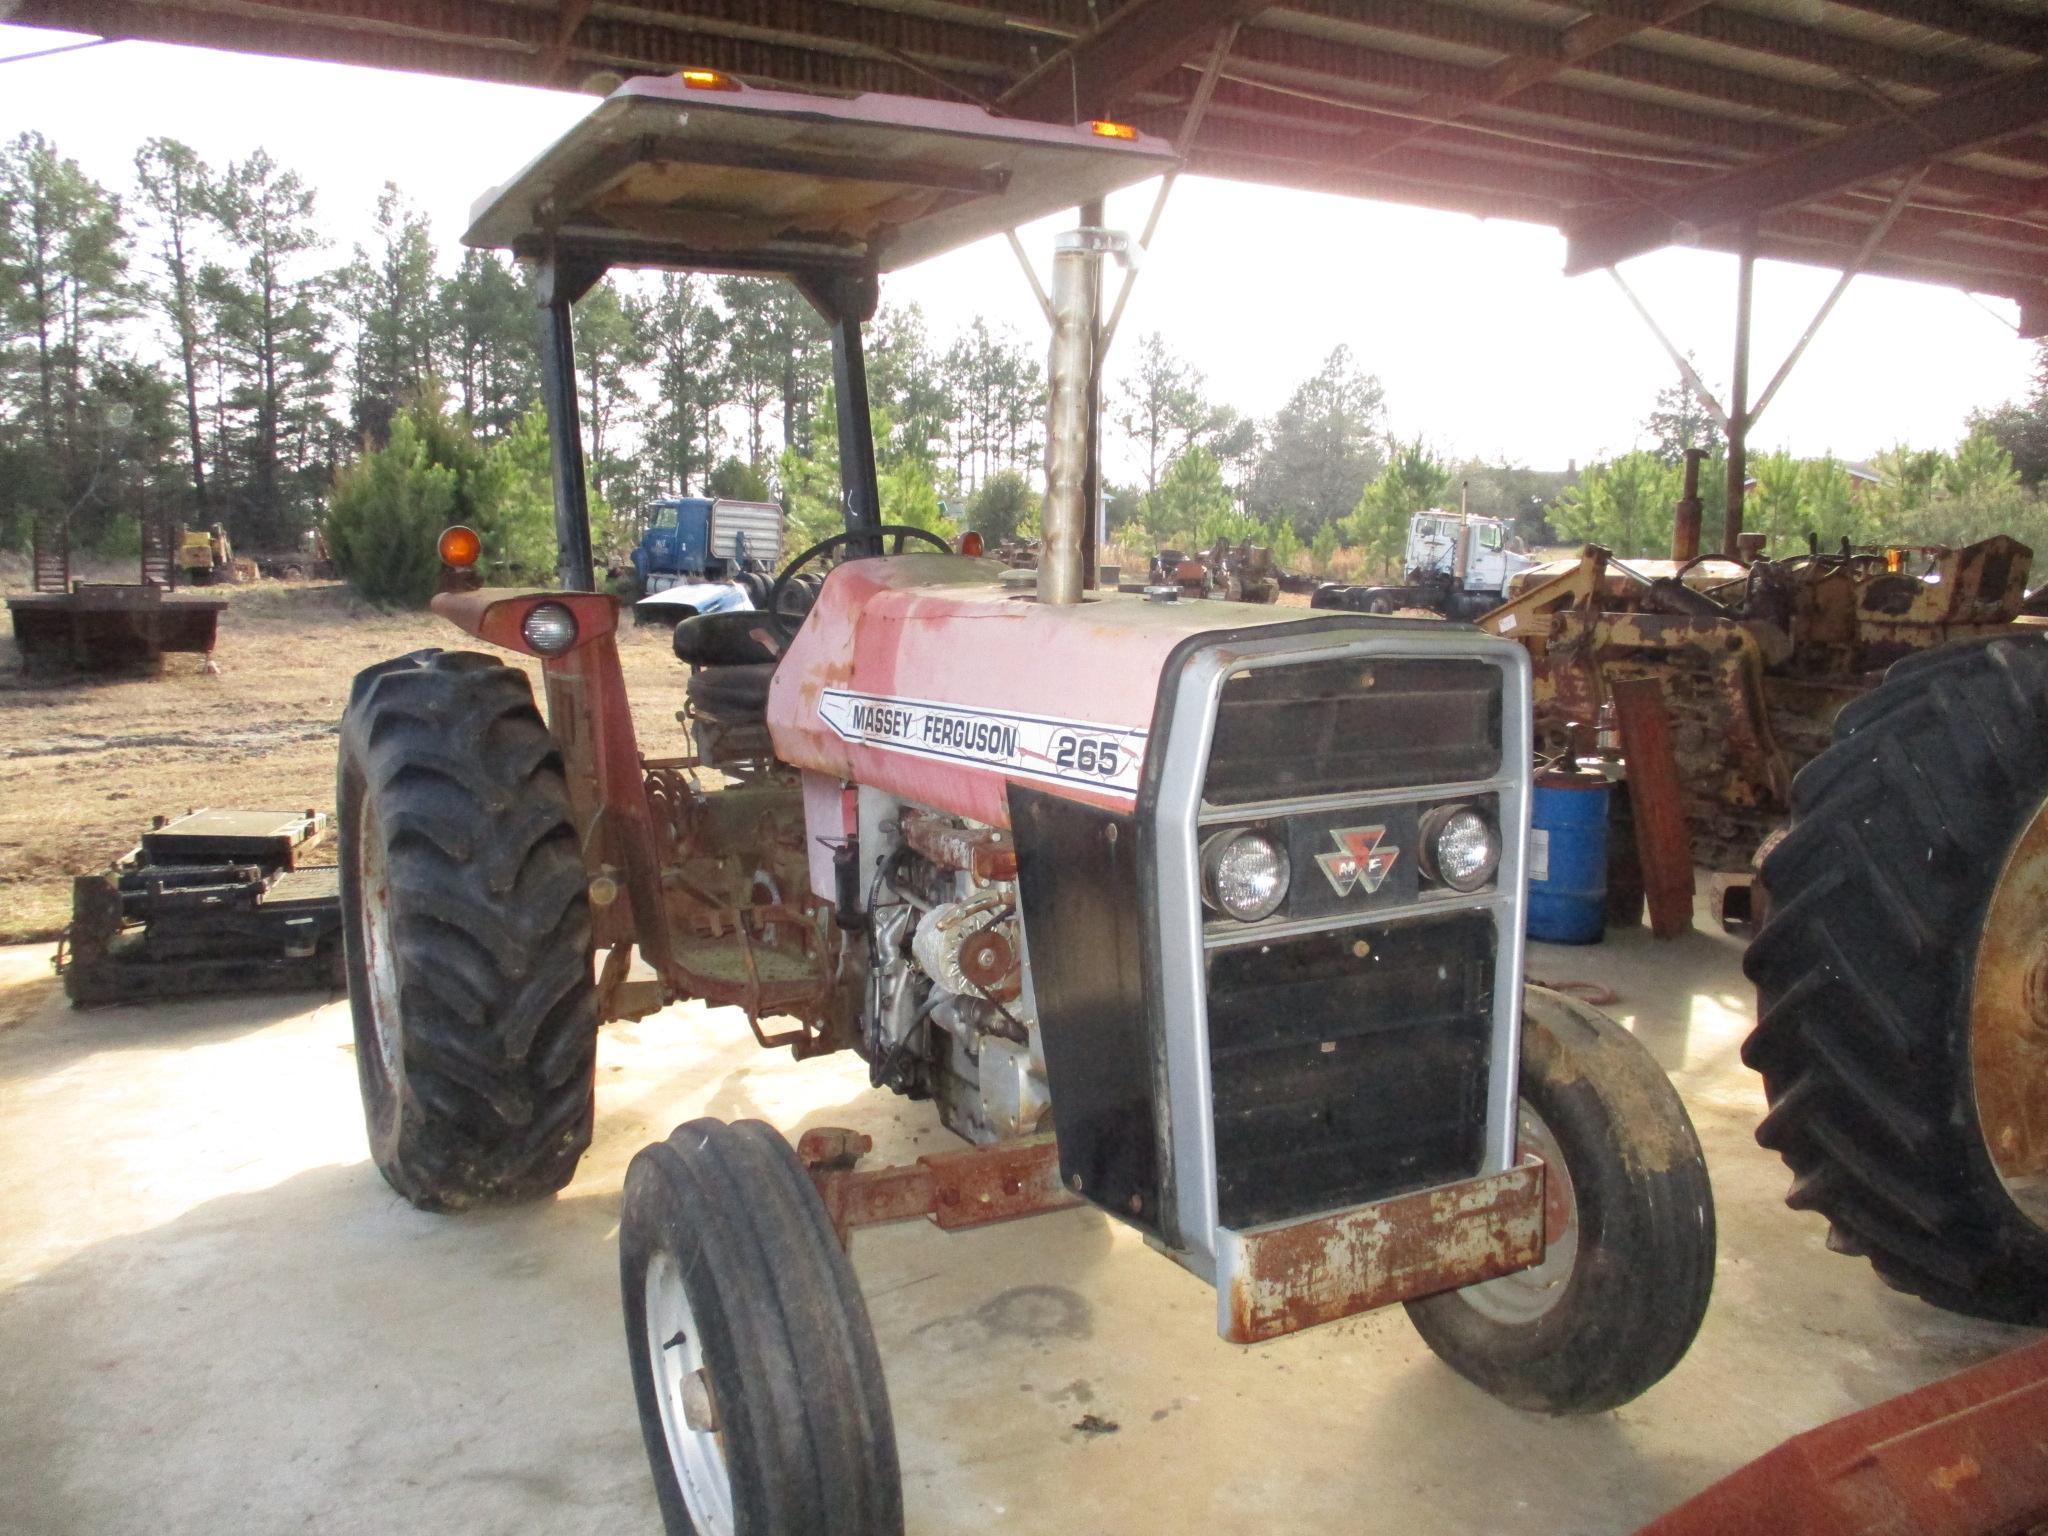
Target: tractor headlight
<point>1460,847</point>
<point>550,628</point>
<point>1244,874</point>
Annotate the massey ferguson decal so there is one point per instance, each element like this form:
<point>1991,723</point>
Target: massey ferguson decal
<point>1359,859</point>
<point>1102,757</point>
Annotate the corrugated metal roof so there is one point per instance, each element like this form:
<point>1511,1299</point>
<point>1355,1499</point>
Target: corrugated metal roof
<point>1626,123</point>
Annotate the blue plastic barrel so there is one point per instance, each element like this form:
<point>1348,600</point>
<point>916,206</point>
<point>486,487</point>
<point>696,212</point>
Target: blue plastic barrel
<point>1568,859</point>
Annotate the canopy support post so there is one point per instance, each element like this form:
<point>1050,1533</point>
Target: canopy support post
<point>847,301</point>
<point>1738,397</point>
<point>561,281</point>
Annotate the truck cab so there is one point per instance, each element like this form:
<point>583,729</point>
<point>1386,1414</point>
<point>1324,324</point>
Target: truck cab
<point>706,538</point>
<point>1468,550</point>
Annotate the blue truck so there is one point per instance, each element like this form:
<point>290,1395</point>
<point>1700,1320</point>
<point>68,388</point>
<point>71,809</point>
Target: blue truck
<point>695,539</point>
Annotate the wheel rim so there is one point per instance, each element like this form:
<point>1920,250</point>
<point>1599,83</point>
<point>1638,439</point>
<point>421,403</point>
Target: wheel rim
<point>2009,1024</point>
<point>380,950</point>
<point>1527,1295</point>
<point>688,1405</point>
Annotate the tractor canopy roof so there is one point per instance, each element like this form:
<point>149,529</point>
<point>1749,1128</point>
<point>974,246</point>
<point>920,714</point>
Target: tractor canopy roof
<point>696,172</point>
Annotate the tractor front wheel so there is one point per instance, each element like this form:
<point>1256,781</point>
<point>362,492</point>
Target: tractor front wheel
<point>760,1389</point>
<point>466,924</point>
<point>1629,1229</point>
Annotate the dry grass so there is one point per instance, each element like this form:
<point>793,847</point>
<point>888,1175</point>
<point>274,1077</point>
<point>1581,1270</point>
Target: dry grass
<point>84,763</point>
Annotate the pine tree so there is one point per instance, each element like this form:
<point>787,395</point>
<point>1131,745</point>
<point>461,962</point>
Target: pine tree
<point>387,293</point>
<point>177,189</point>
<point>263,306</point>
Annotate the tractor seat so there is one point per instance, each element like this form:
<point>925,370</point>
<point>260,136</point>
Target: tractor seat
<point>725,640</point>
<point>735,695</point>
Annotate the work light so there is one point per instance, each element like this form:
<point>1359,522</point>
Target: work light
<point>550,628</point>
<point>1460,847</point>
<point>1244,874</point>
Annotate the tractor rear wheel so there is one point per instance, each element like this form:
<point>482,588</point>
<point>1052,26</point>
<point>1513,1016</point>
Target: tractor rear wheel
<point>1902,981</point>
<point>1628,1263</point>
<point>759,1385</point>
<point>466,924</point>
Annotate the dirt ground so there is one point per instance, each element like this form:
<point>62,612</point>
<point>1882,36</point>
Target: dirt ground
<point>85,762</point>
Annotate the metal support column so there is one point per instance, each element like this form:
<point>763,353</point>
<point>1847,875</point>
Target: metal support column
<point>847,301</point>
<point>1738,397</point>
<point>1092,531</point>
<point>560,283</point>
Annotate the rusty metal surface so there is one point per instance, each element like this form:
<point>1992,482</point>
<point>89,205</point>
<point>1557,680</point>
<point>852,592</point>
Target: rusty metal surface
<point>1755,660</point>
<point>2009,1022</point>
<point>1967,1456</point>
<point>985,852</point>
<point>1280,1279</point>
<point>955,1189</point>
<point>1656,797</point>
<point>105,627</point>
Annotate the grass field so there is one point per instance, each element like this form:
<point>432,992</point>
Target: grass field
<point>85,762</point>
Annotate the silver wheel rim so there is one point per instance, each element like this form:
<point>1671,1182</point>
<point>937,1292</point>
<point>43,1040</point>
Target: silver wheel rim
<point>1527,1295</point>
<point>683,1393</point>
<point>380,950</point>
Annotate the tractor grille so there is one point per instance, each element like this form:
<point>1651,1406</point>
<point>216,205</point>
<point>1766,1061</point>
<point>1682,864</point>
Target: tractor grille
<point>1342,1077</point>
<point>1355,725</point>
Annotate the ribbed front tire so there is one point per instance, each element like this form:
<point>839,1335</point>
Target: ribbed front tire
<point>760,1389</point>
<point>467,930</point>
<point>1863,973</point>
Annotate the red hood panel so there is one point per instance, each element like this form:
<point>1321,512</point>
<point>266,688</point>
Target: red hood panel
<point>923,676</point>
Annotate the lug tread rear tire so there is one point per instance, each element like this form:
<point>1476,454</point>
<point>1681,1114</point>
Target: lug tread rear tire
<point>1863,970</point>
<point>490,928</point>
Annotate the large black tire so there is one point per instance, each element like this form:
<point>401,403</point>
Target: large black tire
<point>466,921</point>
<point>726,1253</point>
<point>1863,973</point>
<point>1630,1263</point>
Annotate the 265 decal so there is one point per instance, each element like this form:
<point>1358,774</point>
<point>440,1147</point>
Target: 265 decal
<point>1029,746</point>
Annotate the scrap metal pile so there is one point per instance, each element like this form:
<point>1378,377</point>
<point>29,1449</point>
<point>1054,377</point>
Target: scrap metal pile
<point>1754,657</point>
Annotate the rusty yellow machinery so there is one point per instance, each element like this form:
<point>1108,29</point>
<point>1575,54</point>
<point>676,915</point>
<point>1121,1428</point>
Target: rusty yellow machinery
<point>1755,657</point>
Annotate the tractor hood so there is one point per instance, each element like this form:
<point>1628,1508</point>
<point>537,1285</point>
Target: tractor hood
<point>927,677</point>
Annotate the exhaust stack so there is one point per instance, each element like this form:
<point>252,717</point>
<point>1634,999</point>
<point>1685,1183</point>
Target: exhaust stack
<point>1076,269</point>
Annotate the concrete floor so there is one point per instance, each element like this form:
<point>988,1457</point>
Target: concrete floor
<point>215,1318</point>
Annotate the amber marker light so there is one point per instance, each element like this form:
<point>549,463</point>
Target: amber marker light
<point>970,543</point>
<point>1102,128</point>
<point>707,80</point>
<point>460,547</point>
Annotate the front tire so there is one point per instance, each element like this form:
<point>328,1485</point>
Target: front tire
<point>466,927</point>
<point>1902,835</point>
<point>1629,1229</point>
<point>759,1386</point>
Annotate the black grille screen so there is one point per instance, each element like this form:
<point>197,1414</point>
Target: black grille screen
<point>1341,1078</point>
<point>1326,727</point>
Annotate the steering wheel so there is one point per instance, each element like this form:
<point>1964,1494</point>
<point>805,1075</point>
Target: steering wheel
<point>790,602</point>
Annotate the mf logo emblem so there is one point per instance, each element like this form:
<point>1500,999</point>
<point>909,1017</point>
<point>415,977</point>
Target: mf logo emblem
<point>1359,859</point>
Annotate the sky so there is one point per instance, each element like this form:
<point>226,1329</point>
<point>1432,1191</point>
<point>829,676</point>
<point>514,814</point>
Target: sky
<point>1484,347</point>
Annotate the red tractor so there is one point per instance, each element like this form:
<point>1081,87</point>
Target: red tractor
<point>1209,917</point>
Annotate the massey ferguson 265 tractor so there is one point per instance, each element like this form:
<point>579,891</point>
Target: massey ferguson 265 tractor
<point>1209,917</point>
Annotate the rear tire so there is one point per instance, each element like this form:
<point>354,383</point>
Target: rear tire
<point>1630,1229</point>
<point>760,1389</point>
<point>1864,966</point>
<point>466,926</point>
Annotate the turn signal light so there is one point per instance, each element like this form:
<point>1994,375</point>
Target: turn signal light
<point>1102,128</point>
<point>460,547</point>
<point>970,544</point>
<point>708,79</point>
